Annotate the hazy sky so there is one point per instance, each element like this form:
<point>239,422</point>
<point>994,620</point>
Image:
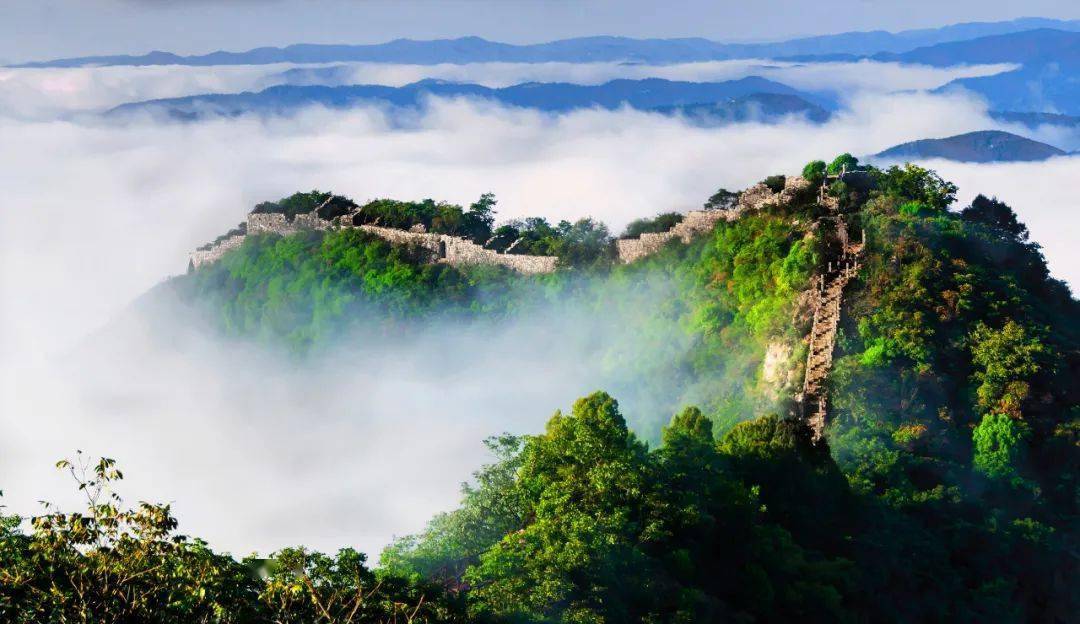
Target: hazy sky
<point>38,29</point>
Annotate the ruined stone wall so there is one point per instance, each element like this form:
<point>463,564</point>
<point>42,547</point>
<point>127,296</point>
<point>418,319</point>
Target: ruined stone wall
<point>449,249</point>
<point>700,221</point>
<point>695,222</point>
<point>276,223</point>
<point>206,256</point>
<point>395,236</point>
<point>464,252</point>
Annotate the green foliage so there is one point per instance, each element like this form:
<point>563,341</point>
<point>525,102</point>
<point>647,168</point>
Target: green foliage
<point>660,223</point>
<point>914,183</point>
<point>995,214</point>
<point>914,209</point>
<point>953,382</point>
<point>491,507</point>
<point>114,564</point>
<point>584,243</point>
<point>999,445</point>
<point>842,162</point>
<point>608,521</point>
<point>814,171</point>
<point>437,217</point>
<point>755,267</point>
<point>1004,360</point>
<point>311,286</point>
<point>775,183</point>
<point>722,199</point>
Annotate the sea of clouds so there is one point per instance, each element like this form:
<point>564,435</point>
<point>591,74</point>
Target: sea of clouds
<point>96,213</point>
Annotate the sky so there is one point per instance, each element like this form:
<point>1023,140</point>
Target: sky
<point>41,29</point>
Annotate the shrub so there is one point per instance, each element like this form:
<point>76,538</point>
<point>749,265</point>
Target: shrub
<point>775,183</point>
<point>999,445</point>
<point>660,223</point>
<point>814,171</point>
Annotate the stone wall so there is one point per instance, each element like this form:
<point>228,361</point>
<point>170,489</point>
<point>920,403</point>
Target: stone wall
<point>700,221</point>
<point>463,252</point>
<point>206,256</point>
<point>395,236</point>
<point>458,251</point>
<point>452,250</point>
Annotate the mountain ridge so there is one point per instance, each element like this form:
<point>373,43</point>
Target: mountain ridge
<point>644,94</point>
<point>597,48</point>
<point>981,146</point>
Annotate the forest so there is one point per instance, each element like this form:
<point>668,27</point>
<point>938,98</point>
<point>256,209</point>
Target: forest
<point>944,489</point>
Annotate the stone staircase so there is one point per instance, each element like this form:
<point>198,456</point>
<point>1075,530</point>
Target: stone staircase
<point>828,297</point>
<point>827,300</point>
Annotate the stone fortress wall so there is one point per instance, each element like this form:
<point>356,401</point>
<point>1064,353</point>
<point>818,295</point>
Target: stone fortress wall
<point>452,250</point>
<point>700,221</point>
<point>459,251</point>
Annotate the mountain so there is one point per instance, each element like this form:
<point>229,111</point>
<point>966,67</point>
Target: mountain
<point>1050,86</point>
<point>763,107</point>
<point>942,487</point>
<point>1034,120</point>
<point>983,146</point>
<point>943,490</point>
<point>651,93</point>
<point>578,50</point>
<point>1041,45</point>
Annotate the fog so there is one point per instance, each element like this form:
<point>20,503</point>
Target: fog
<point>256,451</point>
<point>259,449</point>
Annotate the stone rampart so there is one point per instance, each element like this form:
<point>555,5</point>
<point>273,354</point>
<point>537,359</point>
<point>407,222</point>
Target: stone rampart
<point>700,221</point>
<point>451,250</point>
<point>200,257</point>
<point>463,252</point>
<point>395,236</point>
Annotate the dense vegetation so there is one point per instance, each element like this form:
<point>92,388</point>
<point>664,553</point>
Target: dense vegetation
<point>946,489</point>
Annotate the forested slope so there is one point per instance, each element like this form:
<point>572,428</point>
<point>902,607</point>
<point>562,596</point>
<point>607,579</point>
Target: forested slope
<point>944,490</point>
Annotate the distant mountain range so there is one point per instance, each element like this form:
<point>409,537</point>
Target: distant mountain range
<point>1047,81</point>
<point>1032,46</point>
<point>587,49</point>
<point>1034,120</point>
<point>748,98</point>
<point>1047,86</point>
<point>981,147</point>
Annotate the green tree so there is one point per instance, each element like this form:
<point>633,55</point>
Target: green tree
<point>995,214</point>
<point>584,243</point>
<point>479,219</point>
<point>660,223</point>
<point>814,171</point>
<point>914,183</point>
<point>1005,359</point>
<point>842,162</point>
<point>722,199</point>
<point>999,445</point>
<point>579,559</point>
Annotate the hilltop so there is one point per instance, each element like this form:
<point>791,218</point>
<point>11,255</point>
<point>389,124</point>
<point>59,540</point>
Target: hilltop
<point>982,146</point>
<point>939,483</point>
